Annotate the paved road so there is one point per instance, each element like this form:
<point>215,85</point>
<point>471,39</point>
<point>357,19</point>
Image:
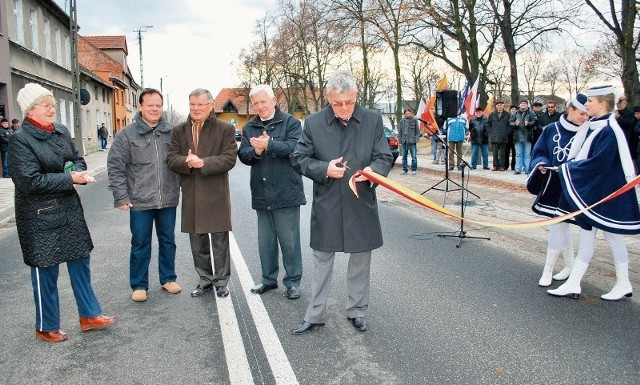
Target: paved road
<point>438,315</point>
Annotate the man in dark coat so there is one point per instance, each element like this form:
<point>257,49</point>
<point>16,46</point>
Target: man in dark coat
<point>548,117</point>
<point>479,139</point>
<point>276,189</point>
<point>202,151</point>
<point>499,133</point>
<point>5,134</point>
<point>336,142</point>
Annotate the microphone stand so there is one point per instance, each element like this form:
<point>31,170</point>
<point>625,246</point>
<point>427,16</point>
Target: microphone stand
<point>461,233</point>
<point>446,179</point>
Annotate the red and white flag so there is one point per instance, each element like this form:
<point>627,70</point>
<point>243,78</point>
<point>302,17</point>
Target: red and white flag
<point>472,99</point>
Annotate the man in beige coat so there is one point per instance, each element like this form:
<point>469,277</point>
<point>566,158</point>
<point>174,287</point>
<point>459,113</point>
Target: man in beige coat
<point>203,150</point>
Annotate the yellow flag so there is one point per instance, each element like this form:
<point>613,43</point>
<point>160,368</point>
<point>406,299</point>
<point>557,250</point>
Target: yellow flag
<point>489,107</point>
<point>443,84</point>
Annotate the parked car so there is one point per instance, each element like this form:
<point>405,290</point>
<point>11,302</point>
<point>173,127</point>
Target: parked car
<point>392,139</point>
<point>238,135</point>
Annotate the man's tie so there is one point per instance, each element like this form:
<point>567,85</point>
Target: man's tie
<point>196,129</point>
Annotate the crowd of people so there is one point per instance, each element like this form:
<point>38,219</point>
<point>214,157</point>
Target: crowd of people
<point>572,160</point>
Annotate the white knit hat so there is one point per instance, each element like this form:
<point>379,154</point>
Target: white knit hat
<point>30,94</point>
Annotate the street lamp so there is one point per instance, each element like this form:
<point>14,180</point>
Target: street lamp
<point>163,77</point>
<point>140,30</point>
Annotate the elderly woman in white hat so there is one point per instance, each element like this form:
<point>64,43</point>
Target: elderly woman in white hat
<point>599,164</point>
<point>45,165</point>
<point>552,150</point>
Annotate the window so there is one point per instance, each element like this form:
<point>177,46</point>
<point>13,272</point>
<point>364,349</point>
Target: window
<point>87,124</point>
<point>95,93</point>
<point>229,107</point>
<point>63,112</point>
<point>33,24</point>
<point>17,21</point>
<point>133,97</point>
<point>67,51</point>
<point>47,38</point>
<point>104,95</point>
<point>58,47</point>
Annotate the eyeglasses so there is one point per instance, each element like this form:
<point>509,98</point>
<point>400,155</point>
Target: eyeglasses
<point>347,103</point>
<point>48,106</point>
<point>198,105</point>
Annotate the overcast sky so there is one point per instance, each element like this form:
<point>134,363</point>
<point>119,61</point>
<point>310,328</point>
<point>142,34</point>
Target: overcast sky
<point>194,43</point>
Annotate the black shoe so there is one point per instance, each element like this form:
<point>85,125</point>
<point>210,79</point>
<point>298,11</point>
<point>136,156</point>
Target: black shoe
<point>485,168</point>
<point>293,292</point>
<point>305,327</point>
<point>201,289</point>
<point>263,288</point>
<point>359,323</point>
<point>222,291</point>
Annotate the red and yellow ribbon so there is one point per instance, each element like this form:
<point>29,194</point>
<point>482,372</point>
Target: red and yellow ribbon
<point>425,202</point>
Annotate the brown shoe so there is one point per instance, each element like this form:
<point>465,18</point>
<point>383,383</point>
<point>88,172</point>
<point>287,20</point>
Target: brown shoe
<point>57,336</point>
<point>139,295</point>
<point>98,322</point>
<point>501,169</point>
<point>172,287</point>
<point>494,168</point>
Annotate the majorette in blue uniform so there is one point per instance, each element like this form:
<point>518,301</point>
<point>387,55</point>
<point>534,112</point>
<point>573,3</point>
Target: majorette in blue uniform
<point>552,150</point>
<point>599,164</point>
<point>602,164</point>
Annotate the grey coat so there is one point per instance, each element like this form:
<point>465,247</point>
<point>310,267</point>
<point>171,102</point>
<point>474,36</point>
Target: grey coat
<point>523,132</point>
<point>339,220</point>
<point>137,167</point>
<point>498,127</point>
<point>49,215</point>
<point>408,131</point>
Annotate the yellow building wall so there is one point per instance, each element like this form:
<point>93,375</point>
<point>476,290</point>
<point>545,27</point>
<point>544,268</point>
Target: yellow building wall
<point>234,119</point>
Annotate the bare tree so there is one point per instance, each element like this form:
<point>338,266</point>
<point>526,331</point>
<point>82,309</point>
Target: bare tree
<point>459,33</point>
<point>552,76</point>
<point>421,73</point>
<point>394,21</point>
<point>532,72</point>
<point>622,23</point>
<point>524,23</point>
<point>498,77</point>
<point>352,17</point>
<point>574,71</point>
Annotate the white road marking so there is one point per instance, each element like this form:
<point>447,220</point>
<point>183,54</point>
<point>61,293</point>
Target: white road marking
<point>280,365</point>
<point>237,363</point>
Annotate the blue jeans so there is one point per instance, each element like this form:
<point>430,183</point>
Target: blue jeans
<point>523,156</point>
<point>45,293</point>
<point>281,226</point>
<point>5,163</point>
<point>141,224</point>
<point>435,145</point>
<point>406,149</point>
<point>485,155</point>
<point>103,143</point>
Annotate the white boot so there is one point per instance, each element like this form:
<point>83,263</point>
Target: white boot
<point>567,255</point>
<point>547,271</point>
<point>571,288</point>
<point>622,288</point>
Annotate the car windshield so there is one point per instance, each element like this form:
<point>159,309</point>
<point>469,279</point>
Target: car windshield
<point>387,131</point>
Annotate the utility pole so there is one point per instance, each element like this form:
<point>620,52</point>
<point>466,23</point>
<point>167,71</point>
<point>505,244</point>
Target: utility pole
<point>76,130</point>
<point>139,31</point>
